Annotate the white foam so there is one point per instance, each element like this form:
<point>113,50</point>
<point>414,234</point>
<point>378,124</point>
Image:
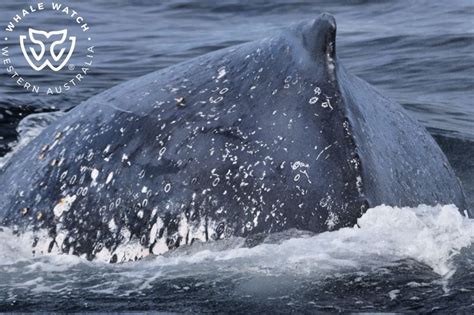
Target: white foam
<point>430,235</point>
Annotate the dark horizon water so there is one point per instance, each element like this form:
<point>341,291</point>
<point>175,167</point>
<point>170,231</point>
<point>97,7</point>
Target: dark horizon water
<point>419,53</point>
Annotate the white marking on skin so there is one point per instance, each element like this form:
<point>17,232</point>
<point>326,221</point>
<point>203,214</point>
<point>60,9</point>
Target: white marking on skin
<point>302,168</point>
<point>183,227</point>
<point>160,247</point>
<point>298,164</point>
<point>327,104</point>
<point>53,145</point>
<point>109,177</point>
<point>359,184</point>
<point>112,226</point>
<point>103,255</point>
<point>215,100</point>
<point>255,219</point>
<point>223,91</point>
<point>221,72</point>
<point>313,100</point>
<point>332,220</point>
<point>59,239</point>
<point>322,151</point>
<point>64,205</point>
<point>155,229</point>
<point>94,175</point>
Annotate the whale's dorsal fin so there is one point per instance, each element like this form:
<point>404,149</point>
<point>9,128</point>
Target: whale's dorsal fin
<point>323,35</point>
<point>319,38</point>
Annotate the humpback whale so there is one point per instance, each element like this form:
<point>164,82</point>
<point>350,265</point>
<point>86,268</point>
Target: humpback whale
<point>257,138</point>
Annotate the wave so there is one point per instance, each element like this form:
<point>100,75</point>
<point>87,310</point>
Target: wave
<point>432,235</point>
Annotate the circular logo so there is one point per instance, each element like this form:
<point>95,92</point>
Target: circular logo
<point>47,48</point>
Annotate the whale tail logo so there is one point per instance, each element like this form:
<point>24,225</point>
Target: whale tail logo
<point>38,56</point>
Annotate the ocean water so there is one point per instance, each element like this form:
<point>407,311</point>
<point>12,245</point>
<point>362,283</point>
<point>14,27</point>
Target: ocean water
<point>412,259</point>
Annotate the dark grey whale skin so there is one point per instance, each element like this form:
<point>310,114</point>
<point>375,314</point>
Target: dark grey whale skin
<point>257,138</point>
